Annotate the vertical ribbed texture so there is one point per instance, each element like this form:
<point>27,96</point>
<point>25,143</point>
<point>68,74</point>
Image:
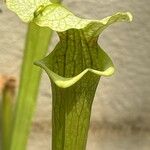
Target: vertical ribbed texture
<point>71,113</point>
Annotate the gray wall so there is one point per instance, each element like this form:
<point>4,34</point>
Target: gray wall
<point>121,110</point>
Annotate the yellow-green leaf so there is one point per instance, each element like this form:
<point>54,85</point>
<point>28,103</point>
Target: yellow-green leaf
<point>25,8</point>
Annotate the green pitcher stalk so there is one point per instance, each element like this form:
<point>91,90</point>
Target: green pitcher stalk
<point>71,114</point>
<point>36,47</point>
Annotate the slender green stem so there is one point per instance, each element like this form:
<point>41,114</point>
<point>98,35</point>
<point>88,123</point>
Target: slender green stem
<point>36,47</point>
<point>8,95</point>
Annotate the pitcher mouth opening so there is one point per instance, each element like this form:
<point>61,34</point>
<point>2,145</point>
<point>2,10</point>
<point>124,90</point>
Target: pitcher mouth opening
<point>65,82</point>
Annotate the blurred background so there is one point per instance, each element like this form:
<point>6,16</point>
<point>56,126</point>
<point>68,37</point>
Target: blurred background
<point>121,110</point>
